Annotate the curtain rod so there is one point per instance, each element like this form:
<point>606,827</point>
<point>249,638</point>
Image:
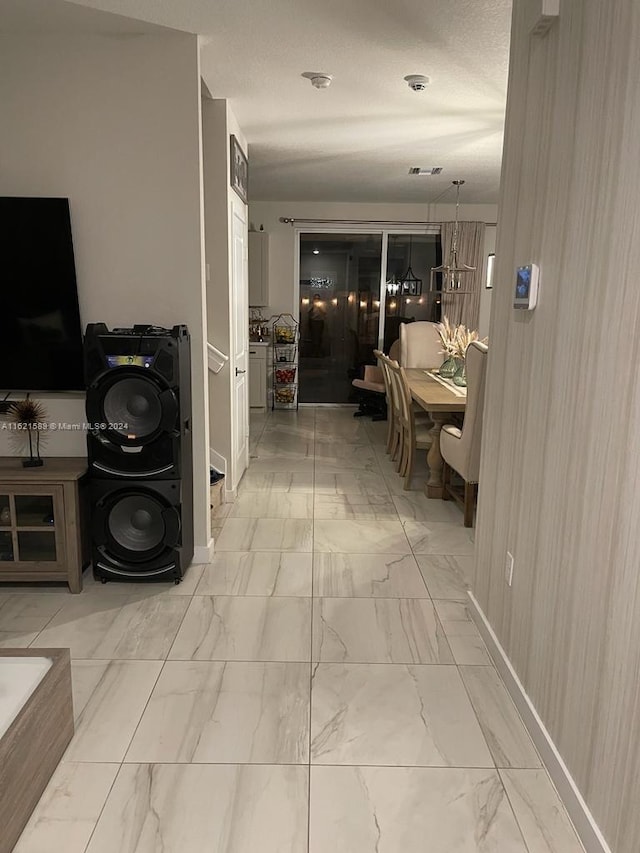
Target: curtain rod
<point>392,222</point>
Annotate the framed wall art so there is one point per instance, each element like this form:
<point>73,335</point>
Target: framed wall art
<point>239,170</point>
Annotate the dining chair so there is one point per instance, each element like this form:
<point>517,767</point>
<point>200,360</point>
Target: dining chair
<point>420,345</point>
<point>380,356</point>
<point>392,421</point>
<point>372,388</point>
<point>460,448</point>
<point>370,392</point>
<point>394,431</point>
<point>415,433</point>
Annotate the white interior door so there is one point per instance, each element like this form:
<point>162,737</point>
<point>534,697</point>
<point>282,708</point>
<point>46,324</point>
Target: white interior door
<point>239,343</point>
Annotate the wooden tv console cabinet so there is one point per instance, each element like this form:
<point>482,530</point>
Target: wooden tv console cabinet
<point>43,521</point>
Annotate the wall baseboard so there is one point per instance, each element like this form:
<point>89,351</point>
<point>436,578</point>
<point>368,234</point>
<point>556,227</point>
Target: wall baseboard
<point>578,811</point>
<point>203,553</point>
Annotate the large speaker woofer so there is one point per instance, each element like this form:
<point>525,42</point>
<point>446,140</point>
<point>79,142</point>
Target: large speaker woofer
<point>132,407</point>
<point>136,525</point>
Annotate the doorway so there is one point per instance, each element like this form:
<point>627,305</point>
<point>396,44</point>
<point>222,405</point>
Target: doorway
<point>345,279</point>
<point>339,312</point>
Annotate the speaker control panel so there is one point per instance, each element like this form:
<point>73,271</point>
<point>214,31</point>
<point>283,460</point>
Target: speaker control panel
<point>130,360</point>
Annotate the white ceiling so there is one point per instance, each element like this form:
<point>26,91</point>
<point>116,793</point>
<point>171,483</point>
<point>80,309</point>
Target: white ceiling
<point>356,140</point>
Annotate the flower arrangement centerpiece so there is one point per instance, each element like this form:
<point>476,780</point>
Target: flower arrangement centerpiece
<point>449,339</point>
<point>28,418</point>
<point>464,337</point>
<point>455,340</point>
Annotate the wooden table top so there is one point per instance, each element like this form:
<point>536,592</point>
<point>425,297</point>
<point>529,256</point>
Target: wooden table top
<point>55,469</point>
<point>431,395</point>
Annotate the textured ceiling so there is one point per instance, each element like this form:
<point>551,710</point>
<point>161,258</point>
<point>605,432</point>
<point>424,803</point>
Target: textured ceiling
<point>356,140</point>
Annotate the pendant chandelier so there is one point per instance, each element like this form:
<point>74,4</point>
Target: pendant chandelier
<point>410,283</point>
<point>393,286</point>
<point>454,272</point>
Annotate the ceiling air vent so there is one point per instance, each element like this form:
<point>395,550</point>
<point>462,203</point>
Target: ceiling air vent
<point>417,170</point>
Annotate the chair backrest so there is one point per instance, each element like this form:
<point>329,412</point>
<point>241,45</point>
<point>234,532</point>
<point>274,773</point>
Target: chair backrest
<point>392,330</point>
<point>471,439</point>
<point>394,350</point>
<point>385,372</point>
<point>400,391</point>
<point>420,345</point>
<point>388,366</point>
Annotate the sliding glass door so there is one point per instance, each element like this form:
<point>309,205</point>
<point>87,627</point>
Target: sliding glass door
<point>339,312</point>
<point>408,299</point>
<point>345,279</point>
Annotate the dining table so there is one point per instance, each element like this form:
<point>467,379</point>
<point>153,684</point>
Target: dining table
<point>440,400</point>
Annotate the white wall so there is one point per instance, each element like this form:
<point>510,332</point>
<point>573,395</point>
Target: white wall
<point>113,123</point>
<point>282,244</point>
<point>560,472</point>
<point>218,123</point>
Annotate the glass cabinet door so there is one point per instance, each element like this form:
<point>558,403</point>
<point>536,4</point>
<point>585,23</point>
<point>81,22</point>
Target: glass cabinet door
<point>34,511</point>
<point>35,527</point>
<point>5,511</point>
<point>6,546</point>
<point>31,525</point>
<point>6,538</point>
<point>36,546</point>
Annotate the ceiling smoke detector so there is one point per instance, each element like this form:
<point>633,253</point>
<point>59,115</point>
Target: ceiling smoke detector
<point>417,82</point>
<point>418,170</point>
<point>318,79</point>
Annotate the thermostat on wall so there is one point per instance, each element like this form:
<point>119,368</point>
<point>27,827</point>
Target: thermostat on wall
<point>526,294</point>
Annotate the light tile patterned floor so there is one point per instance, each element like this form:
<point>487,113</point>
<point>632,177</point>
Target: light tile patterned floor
<point>318,688</point>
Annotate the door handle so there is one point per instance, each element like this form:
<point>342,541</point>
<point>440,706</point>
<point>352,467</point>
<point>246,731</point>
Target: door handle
<point>238,372</point>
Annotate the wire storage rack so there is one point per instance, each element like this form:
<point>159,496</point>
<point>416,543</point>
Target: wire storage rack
<point>284,342</point>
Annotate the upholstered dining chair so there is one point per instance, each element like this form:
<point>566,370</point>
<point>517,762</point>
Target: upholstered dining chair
<point>420,345</point>
<point>460,448</point>
<point>373,388</point>
<point>414,433</point>
<point>370,392</point>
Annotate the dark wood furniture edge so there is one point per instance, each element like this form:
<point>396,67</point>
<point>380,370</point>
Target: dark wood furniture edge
<point>34,743</point>
<point>55,469</point>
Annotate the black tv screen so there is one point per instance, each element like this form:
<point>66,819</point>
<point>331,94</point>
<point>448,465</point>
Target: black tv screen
<point>40,332</point>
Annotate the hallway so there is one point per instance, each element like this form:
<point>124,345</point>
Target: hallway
<point>328,640</point>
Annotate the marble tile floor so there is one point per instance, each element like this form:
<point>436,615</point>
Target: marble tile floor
<point>319,687</point>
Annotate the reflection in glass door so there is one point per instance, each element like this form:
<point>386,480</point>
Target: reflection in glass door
<point>339,312</point>
<point>408,298</point>
<point>340,285</point>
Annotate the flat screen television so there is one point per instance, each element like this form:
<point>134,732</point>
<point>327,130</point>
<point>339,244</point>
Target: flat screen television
<point>40,331</point>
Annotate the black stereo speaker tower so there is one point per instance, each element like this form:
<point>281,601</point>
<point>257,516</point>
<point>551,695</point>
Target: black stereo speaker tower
<point>139,451</point>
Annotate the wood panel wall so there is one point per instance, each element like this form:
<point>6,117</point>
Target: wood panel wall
<point>560,478</point>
